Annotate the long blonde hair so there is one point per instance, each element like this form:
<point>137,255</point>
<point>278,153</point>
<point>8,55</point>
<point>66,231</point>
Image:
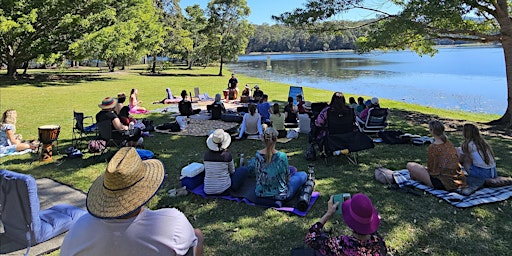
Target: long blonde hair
<point>9,117</point>
<point>270,139</point>
<point>437,129</point>
<point>471,133</point>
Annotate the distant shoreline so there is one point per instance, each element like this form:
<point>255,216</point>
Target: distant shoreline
<point>491,45</point>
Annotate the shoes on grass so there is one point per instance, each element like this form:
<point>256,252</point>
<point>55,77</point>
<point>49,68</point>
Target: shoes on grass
<point>177,192</point>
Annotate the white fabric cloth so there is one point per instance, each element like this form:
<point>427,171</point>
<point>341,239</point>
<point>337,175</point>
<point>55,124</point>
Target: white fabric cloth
<point>477,158</point>
<point>161,232</point>
<point>304,123</point>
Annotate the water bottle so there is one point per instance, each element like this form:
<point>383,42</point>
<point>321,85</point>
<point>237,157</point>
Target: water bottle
<point>130,128</point>
<point>241,160</point>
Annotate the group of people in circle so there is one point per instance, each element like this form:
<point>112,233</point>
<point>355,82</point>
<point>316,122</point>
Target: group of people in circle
<point>447,167</point>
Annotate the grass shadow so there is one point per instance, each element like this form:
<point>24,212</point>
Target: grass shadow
<point>52,79</point>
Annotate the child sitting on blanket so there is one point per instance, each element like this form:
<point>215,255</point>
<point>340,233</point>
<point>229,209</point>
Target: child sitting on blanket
<point>476,154</point>
<point>220,174</point>
<point>11,142</point>
<point>443,170</point>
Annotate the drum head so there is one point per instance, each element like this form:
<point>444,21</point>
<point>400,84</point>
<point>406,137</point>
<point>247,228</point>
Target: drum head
<point>49,127</point>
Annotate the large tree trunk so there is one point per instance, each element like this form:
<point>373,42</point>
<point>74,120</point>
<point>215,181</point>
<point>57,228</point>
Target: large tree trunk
<point>506,42</point>
<point>220,70</point>
<point>153,67</point>
<point>25,67</point>
<point>11,69</point>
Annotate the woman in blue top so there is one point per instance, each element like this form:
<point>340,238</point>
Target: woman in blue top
<point>11,142</point>
<point>275,179</point>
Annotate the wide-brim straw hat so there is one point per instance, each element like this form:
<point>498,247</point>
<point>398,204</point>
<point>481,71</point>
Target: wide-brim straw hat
<point>218,140</point>
<point>360,215</point>
<point>108,103</point>
<point>127,184</point>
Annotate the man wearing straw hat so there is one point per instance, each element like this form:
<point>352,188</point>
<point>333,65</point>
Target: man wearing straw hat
<point>119,224</point>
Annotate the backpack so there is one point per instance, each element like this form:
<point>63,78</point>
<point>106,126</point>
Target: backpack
<point>150,127</point>
<point>393,137</point>
<point>96,146</point>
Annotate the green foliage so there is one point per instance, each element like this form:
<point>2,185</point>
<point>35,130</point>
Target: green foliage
<point>195,23</point>
<point>32,28</point>
<point>135,33</point>
<point>228,29</point>
<point>281,38</point>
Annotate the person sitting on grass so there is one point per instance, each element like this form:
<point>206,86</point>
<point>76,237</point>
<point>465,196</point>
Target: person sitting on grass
<point>11,142</point>
<point>118,223</point>
<point>275,179</point>
<point>278,121</point>
<point>264,109</point>
<point>443,170</point>
<point>374,104</point>
<point>476,154</point>
<point>352,103</point>
<point>257,94</point>
<point>185,106</point>
<point>300,104</point>
<point>135,102</point>
<point>290,112</point>
<point>219,168</point>
<point>360,106</point>
<point>121,98</point>
<point>360,216</point>
<point>251,123</point>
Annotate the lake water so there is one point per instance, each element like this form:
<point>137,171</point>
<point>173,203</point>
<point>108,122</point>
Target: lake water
<point>460,78</point>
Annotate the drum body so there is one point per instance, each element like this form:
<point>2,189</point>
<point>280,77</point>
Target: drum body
<point>47,135</point>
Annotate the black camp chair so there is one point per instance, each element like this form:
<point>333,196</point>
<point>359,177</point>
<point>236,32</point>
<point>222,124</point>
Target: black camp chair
<point>80,131</point>
<point>343,137</point>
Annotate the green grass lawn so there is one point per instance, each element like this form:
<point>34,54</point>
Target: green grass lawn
<point>411,225</point>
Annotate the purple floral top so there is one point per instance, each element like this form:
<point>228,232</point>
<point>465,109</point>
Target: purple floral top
<point>343,245</point>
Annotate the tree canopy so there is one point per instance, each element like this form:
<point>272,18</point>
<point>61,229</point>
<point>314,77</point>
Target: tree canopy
<point>135,32</point>
<point>418,23</point>
<point>228,29</point>
<point>29,29</point>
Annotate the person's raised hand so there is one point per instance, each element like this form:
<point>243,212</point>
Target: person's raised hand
<point>331,206</point>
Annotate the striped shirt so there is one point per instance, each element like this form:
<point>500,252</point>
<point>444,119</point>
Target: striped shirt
<point>218,167</point>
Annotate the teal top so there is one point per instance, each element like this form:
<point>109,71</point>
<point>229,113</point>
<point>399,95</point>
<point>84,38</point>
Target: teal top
<point>271,178</point>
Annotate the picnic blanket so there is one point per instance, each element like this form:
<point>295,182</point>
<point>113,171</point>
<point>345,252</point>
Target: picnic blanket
<point>198,127</point>
<point>480,196</point>
<point>246,194</point>
<point>16,153</point>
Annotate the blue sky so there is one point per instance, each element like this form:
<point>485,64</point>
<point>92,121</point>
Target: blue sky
<point>262,10</point>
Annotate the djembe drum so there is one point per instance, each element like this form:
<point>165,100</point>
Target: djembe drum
<point>47,135</point>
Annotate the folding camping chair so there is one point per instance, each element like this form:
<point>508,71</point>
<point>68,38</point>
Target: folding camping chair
<point>106,135</point>
<point>21,217</point>
<point>81,129</point>
<point>343,137</point>
<point>375,122</point>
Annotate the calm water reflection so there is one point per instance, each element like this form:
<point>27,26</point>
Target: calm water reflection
<point>471,79</point>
